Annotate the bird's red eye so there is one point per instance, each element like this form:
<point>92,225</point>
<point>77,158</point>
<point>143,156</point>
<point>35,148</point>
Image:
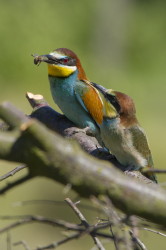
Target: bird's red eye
<point>65,60</point>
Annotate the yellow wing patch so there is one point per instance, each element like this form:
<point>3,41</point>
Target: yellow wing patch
<point>109,110</point>
<point>93,103</point>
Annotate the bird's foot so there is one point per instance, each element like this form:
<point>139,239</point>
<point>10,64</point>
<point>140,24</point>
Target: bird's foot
<point>86,131</point>
<point>104,153</point>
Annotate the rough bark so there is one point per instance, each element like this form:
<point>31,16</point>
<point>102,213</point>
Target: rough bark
<point>48,154</point>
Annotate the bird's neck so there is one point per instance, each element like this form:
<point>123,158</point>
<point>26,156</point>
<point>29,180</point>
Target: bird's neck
<point>63,82</point>
<point>114,122</point>
<point>128,121</point>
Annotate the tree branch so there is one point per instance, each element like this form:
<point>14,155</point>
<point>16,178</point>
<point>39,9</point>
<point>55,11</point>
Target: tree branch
<point>60,124</point>
<point>12,172</point>
<point>22,220</point>
<point>85,223</point>
<point>10,185</point>
<point>23,243</point>
<point>48,154</point>
<point>58,243</point>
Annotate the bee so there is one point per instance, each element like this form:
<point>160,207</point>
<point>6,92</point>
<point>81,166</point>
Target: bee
<point>37,59</point>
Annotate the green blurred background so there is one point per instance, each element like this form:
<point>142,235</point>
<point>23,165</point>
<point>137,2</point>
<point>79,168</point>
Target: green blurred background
<point>122,45</point>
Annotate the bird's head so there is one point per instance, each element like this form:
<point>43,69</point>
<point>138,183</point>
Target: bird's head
<point>124,106</point>
<point>62,62</point>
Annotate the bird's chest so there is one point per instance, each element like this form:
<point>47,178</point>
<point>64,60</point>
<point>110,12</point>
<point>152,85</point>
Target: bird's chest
<point>120,142</point>
<point>63,94</point>
<point>115,137</point>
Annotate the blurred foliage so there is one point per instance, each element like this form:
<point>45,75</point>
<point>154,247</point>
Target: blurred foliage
<point>122,45</point>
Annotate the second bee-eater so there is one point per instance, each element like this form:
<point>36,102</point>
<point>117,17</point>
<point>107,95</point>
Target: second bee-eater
<point>122,134</point>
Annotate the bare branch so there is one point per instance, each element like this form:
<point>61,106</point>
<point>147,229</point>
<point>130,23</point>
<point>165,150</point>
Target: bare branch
<point>137,241</point>
<point>28,219</point>
<point>8,241</point>
<point>12,116</point>
<point>22,242</point>
<point>154,231</point>
<point>54,202</point>
<point>60,223</point>
<point>118,225</point>
<point>121,238</point>
<point>48,154</point>
<point>114,238</point>
<point>58,243</point>
<point>10,185</point>
<point>84,222</point>
<point>53,222</point>
<point>12,172</point>
<point>154,170</point>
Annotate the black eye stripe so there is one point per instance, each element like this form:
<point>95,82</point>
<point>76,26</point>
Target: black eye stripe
<point>67,61</point>
<point>113,100</point>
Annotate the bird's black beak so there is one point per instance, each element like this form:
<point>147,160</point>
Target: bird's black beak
<point>44,58</point>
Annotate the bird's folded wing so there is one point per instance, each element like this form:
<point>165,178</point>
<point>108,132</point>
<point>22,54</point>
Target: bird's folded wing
<point>141,144</point>
<point>89,98</point>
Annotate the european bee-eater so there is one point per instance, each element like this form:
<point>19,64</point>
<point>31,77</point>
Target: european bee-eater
<point>121,132</point>
<point>71,90</point>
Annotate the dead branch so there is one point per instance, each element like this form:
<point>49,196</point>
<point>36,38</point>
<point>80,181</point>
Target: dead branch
<point>48,154</point>
<point>23,243</point>
<point>12,172</point>
<point>84,223</point>
<point>58,243</point>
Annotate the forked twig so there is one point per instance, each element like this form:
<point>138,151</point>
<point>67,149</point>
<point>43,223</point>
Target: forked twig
<point>84,222</point>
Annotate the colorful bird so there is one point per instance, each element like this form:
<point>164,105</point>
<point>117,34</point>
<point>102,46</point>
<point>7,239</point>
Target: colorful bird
<point>122,134</point>
<point>71,90</point>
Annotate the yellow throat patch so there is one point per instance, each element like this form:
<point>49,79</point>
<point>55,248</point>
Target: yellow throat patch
<point>60,71</point>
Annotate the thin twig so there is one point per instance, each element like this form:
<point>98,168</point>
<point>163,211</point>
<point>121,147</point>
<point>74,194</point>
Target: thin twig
<point>53,202</point>
<point>15,183</point>
<point>77,212</point>
<point>8,239</point>
<point>12,172</point>
<point>114,238</point>
<point>113,217</point>
<point>162,184</point>
<point>29,219</point>
<point>154,170</point>
<point>118,226</point>
<point>58,243</point>
<point>121,235</point>
<point>22,242</point>
<point>52,222</point>
<point>84,222</point>
<point>137,241</point>
<point>154,231</point>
